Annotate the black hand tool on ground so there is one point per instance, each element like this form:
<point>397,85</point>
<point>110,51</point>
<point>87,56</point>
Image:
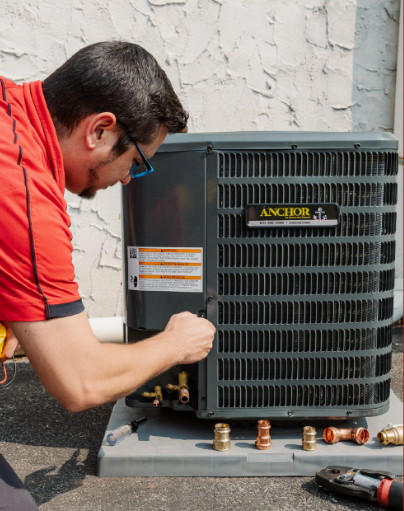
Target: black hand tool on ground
<point>373,485</point>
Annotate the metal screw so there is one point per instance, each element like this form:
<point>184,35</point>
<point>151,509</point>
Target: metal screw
<point>294,146</point>
<point>209,149</point>
<point>203,398</point>
<point>290,414</point>
<point>357,146</point>
<point>210,414</point>
<point>349,413</point>
<point>210,298</point>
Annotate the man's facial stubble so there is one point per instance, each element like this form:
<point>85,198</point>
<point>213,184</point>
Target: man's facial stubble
<point>93,178</point>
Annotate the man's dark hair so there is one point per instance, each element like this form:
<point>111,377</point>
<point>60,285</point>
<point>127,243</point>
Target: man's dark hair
<point>118,77</point>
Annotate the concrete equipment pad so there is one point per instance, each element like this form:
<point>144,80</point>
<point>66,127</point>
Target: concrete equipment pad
<point>178,444</point>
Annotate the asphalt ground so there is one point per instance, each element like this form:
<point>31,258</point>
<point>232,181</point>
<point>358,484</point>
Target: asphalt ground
<point>54,452</point>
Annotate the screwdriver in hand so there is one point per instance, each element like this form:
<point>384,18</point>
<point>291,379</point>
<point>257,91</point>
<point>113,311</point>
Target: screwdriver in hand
<point>123,432</point>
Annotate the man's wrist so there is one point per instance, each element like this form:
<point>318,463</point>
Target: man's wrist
<point>171,346</point>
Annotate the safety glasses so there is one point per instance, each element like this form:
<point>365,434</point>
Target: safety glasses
<point>141,168</point>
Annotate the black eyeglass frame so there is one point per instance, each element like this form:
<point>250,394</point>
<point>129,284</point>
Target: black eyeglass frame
<point>149,168</point>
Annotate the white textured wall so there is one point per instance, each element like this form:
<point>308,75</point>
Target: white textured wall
<point>237,65</point>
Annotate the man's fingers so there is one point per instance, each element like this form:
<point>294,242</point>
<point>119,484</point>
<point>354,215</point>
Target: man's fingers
<point>11,346</point>
<point>212,327</point>
<point>9,349</point>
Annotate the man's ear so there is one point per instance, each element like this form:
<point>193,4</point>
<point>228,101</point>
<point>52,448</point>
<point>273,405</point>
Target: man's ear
<point>98,127</point>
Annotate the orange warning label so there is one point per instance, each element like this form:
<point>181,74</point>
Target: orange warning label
<point>179,250</point>
<point>176,269</point>
<point>168,277</point>
<point>168,264</point>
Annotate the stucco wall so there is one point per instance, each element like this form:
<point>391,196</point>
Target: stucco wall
<point>236,65</point>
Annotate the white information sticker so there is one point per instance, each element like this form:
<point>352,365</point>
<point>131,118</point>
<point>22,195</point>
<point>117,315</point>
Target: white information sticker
<point>176,269</point>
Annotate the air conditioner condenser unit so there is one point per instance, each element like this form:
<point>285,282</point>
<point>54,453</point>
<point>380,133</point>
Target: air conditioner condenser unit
<point>286,243</point>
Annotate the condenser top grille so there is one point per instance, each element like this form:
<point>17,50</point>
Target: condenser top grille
<point>306,164</point>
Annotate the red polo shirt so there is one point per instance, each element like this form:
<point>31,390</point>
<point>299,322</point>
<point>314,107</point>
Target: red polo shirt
<point>36,268</point>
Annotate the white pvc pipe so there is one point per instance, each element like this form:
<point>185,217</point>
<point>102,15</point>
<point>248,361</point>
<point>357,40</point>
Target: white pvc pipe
<point>398,132</point>
<point>108,329</point>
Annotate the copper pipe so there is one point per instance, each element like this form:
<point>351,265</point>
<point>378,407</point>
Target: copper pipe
<point>182,387</point>
<point>263,441</point>
<point>309,438</point>
<point>184,395</point>
<point>333,435</point>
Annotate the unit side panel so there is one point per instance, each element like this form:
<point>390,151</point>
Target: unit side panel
<point>164,209</point>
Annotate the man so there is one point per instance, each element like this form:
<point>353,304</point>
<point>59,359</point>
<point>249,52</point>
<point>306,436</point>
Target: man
<point>99,116</point>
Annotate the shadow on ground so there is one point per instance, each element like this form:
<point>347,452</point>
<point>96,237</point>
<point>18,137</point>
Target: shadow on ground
<point>69,476</point>
<point>30,417</point>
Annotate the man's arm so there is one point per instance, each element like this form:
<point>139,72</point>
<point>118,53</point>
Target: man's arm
<point>80,372</point>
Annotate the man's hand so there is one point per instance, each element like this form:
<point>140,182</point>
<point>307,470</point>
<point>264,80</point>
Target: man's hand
<point>11,346</point>
<point>192,335</point>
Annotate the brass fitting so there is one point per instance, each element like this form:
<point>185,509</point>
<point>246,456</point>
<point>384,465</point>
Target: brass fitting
<point>157,394</point>
<point>182,387</point>
<point>263,441</point>
<point>391,435</point>
<point>309,438</point>
<point>221,442</point>
<point>333,435</point>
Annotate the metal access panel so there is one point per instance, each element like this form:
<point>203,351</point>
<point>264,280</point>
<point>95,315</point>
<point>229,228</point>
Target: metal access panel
<point>302,304</point>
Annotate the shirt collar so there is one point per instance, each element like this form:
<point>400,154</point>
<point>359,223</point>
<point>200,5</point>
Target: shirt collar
<point>43,125</point>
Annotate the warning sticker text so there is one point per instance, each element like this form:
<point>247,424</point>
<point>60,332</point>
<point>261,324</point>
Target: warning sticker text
<point>165,269</point>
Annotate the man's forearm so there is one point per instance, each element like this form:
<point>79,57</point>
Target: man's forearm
<point>80,372</point>
<point>138,363</point>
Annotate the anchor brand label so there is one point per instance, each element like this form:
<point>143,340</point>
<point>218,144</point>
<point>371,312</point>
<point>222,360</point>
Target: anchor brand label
<point>292,215</point>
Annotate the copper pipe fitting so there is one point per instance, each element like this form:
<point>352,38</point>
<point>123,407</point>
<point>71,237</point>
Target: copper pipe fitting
<point>391,435</point>
<point>309,438</point>
<point>263,441</point>
<point>182,387</point>
<point>221,442</point>
<point>157,394</point>
<point>184,395</point>
<point>333,435</point>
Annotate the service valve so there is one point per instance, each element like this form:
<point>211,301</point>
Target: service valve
<point>157,395</point>
<point>182,387</point>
